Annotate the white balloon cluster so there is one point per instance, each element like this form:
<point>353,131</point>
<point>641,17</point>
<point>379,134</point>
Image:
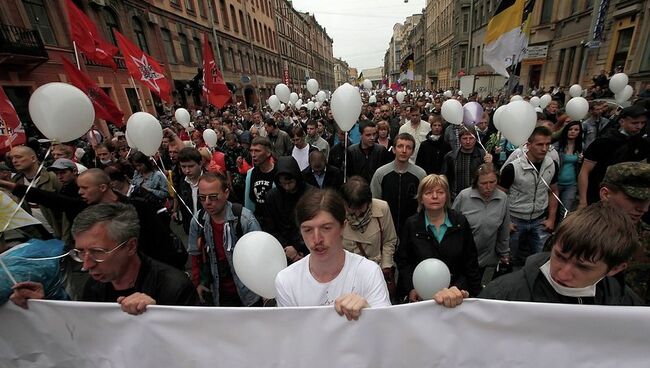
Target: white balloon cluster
<point>618,85</point>
<point>516,121</point>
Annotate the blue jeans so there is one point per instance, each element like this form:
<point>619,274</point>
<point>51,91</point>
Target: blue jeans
<point>533,230</point>
<point>567,196</point>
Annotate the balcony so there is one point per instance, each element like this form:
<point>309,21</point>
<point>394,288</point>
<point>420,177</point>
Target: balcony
<point>119,61</point>
<point>21,47</point>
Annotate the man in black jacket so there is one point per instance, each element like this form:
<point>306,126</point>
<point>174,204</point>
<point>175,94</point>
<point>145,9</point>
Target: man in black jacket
<point>581,265</point>
<point>320,175</point>
<point>281,208</point>
<point>365,157</point>
<point>106,242</point>
<point>433,150</point>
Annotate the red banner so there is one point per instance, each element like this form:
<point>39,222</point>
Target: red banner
<point>86,37</point>
<point>11,130</point>
<point>215,90</point>
<point>144,68</point>
<point>105,108</point>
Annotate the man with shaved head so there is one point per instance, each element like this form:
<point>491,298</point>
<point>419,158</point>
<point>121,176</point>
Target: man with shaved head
<point>26,164</point>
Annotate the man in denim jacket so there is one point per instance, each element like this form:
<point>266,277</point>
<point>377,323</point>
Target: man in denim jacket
<point>212,243</point>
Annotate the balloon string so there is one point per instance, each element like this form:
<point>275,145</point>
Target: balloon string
<point>566,210</point>
<point>478,139</point>
<point>4,267</point>
<point>31,184</point>
<point>345,159</point>
<point>177,195</point>
<point>45,258</point>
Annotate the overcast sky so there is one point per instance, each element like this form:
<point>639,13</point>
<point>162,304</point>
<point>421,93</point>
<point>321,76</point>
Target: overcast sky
<point>361,29</point>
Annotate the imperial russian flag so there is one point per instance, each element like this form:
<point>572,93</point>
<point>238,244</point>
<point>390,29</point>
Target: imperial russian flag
<point>105,108</point>
<point>86,37</point>
<point>144,68</point>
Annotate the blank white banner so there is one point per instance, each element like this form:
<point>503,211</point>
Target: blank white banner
<point>479,333</point>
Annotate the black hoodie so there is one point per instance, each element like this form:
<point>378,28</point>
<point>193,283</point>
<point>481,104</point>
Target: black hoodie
<point>280,217</point>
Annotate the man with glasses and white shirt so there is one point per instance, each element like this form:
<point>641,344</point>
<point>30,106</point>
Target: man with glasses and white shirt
<point>106,240</point>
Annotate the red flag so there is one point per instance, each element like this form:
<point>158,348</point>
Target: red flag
<point>105,108</point>
<point>86,37</point>
<point>12,133</point>
<point>215,90</point>
<point>143,67</point>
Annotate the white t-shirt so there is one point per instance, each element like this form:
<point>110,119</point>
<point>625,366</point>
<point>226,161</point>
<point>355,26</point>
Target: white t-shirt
<point>296,287</point>
<point>302,156</point>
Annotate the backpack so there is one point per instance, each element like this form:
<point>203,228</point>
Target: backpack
<point>236,210</point>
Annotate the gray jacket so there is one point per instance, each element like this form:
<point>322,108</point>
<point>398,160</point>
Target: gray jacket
<point>528,194</point>
<point>248,223</point>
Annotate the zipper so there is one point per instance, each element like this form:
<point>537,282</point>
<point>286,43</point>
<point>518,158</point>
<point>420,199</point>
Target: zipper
<point>399,197</point>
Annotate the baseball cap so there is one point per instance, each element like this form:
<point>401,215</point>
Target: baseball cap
<point>632,177</point>
<point>62,164</point>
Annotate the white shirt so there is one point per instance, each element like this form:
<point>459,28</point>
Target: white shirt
<point>302,156</point>
<point>419,133</point>
<point>296,287</point>
<point>195,193</point>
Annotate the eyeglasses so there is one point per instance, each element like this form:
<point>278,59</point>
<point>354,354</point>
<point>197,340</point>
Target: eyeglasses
<point>212,197</point>
<point>98,255</point>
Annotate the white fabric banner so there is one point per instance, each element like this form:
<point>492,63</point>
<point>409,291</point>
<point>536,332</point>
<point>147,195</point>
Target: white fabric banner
<point>479,333</point>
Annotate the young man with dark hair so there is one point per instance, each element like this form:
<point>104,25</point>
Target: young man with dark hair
<point>259,179</point>
<point>417,128</point>
<point>397,182</point>
<point>314,139</point>
<point>280,140</point>
<point>365,157</point>
<point>580,266</point>
<point>531,181</point>
<point>189,160</point>
<point>301,148</point>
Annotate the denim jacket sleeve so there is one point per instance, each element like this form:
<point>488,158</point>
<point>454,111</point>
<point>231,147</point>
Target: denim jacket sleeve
<point>193,248</point>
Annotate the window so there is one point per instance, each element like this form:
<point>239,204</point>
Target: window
<point>239,62</point>
<point>168,44</point>
<point>132,96</point>
<point>185,48</point>
<point>198,50</point>
<point>560,66</point>
<point>189,6</point>
<point>574,6</point>
<point>215,16</point>
<point>40,20</point>
<point>257,32</point>
<point>622,48</point>
<point>224,14</point>
<point>243,23</point>
<point>201,8</point>
<point>175,2</point>
<point>465,22</point>
<point>547,12</point>
<point>230,58</point>
<point>111,23</point>
<point>233,14</point>
<point>245,63</point>
<point>463,57</point>
<point>139,35</point>
<point>645,61</point>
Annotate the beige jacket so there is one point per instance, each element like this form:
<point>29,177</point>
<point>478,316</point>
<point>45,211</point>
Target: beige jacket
<point>371,239</point>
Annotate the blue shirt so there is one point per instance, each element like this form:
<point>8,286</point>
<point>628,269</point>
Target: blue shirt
<point>438,233</point>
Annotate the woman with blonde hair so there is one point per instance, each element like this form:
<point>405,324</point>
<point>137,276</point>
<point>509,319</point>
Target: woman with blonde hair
<point>437,231</point>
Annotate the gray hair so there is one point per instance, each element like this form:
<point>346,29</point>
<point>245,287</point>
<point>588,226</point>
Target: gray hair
<point>121,220</point>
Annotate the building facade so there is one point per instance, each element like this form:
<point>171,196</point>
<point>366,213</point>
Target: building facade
<point>341,72</point>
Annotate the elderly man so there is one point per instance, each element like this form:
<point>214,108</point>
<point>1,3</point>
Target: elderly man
<point>106,243</point>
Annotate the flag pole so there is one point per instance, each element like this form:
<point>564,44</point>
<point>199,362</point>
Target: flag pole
<point>214,35</point>
<point>76,54</point>
<point>137,94</point>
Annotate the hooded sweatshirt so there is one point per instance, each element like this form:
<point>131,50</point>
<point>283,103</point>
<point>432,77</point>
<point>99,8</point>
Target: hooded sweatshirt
<point>280,218</point>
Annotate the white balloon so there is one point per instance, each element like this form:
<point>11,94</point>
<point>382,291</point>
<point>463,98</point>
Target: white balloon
<point>390,100</point>
<point>400,96</point>
<point>575,90</point>
<point>299,95</point>
<point>258,258</point>
<point>430,276</point>
<point>625,94</point>
<point>447,94</point>
<point>452,111</point>
<point>182,117</point>
<point>577,108</point>
<point>129,141</point>
<point>545,100</point>
<point>460,93</point>
<point>293,97</point>
<point>318,104</point>
<point>298,103</point>
<point>61,111</point>
<point>210,137</point>
<point>145,132</point>
<point>516,98</point>
<point>497,116</point>
<point>321,96</point>
<point>310,105</point>
<point>618,82</point>
<point>389,91</point>
<point>283,107</point>
<point>346,106</point>
<point>518,122</point>
<point>535,101</point>
<point>312,86</point>
<point>283,92</point>
<point>421,94</point>
<point>274,103</point>
<point>372,99</point>
<point>427,94</point>
<point>539,110</point>
<point>367,84</point>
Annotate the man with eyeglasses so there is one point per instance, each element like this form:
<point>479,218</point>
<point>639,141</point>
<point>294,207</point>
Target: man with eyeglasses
<point>106,240</point>
<point>212,243</point>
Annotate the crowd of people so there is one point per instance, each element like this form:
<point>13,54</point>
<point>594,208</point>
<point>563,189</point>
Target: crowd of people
<point>355,212</point>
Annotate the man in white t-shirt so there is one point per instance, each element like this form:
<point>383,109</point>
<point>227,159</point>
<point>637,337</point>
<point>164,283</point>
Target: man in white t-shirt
<point>301,148</point>
<point>329,274</point>
<point>417,128</point>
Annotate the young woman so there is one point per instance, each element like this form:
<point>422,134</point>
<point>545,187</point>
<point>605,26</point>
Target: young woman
<point>383,135</point>
<point>439,232</point>
<point>569,148</point>
<point>486,210</point>
<point>148,183</point>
